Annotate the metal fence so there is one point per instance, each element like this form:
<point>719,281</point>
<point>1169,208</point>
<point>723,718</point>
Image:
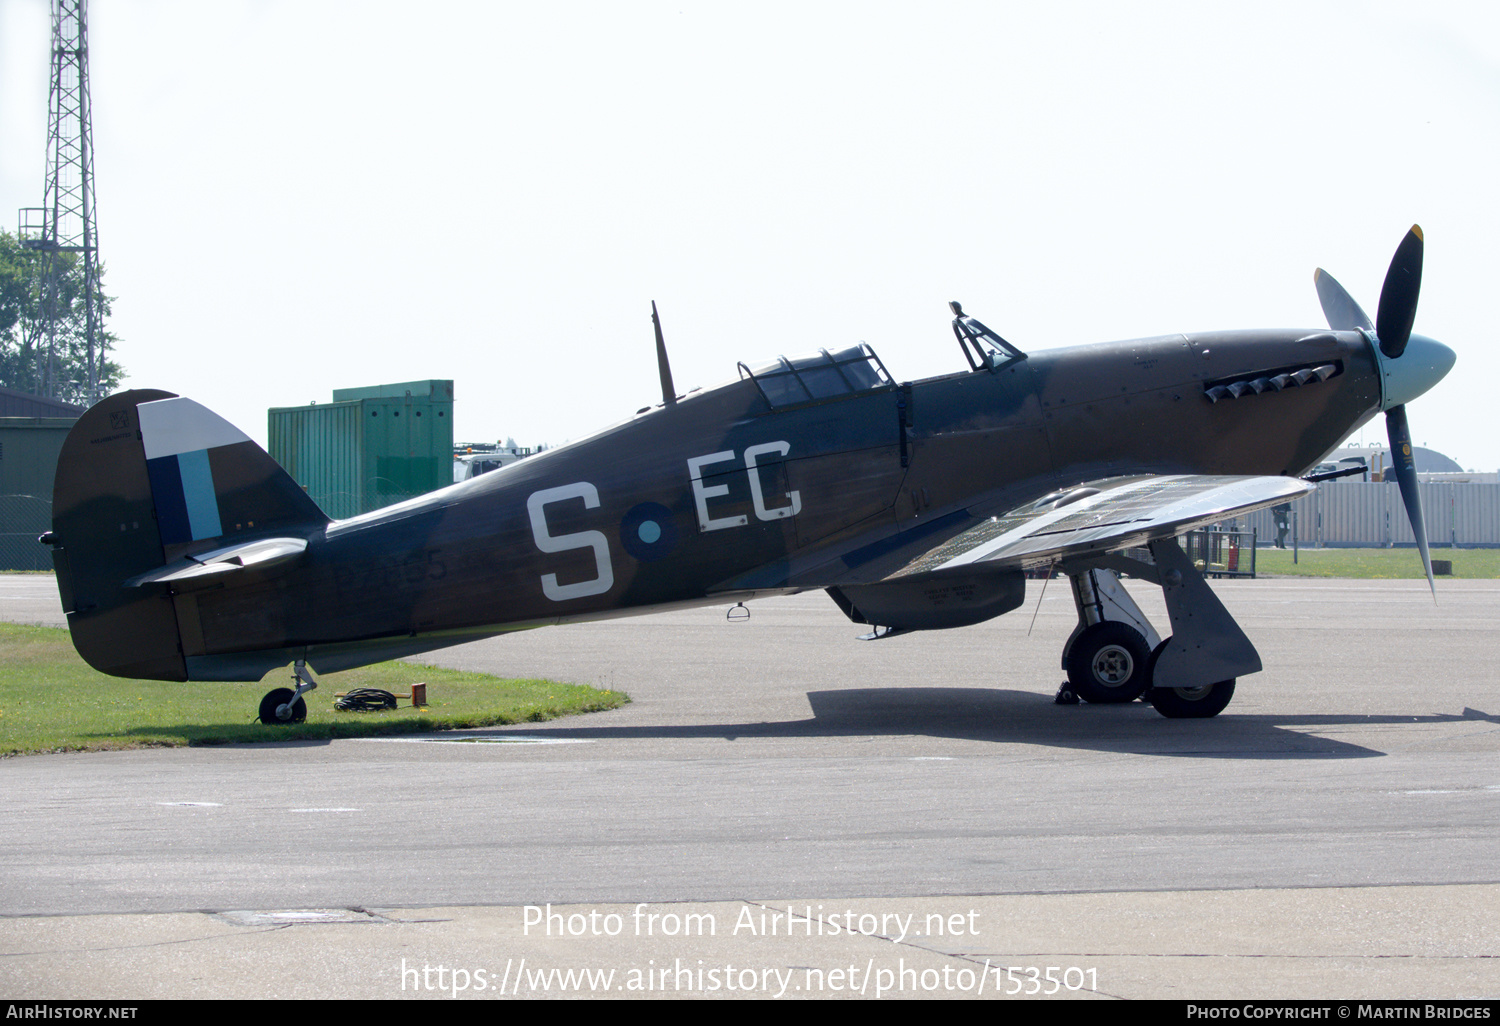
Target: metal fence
<point>341,505</point>
<point>1221,553</point>
<point>22,519</point>
<point>1372,515</point>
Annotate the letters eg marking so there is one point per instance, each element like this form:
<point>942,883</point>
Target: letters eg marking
<point>702,493</point>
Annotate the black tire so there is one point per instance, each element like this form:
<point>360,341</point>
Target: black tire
<point>276,699</point>
<point>1109,662</point>
<point>1186,703</point>
<point>1192,703</point>
<point>1151,668</point>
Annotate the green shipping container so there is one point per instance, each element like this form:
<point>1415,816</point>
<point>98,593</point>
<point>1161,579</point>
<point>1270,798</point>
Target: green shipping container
<point>29,447</point>
<point>370,447</point>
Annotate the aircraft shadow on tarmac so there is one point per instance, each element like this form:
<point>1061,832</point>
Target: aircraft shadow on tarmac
<point>1024,717</point>
<point>989,714</point>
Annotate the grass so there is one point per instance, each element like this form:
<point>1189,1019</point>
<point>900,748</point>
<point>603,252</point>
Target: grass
<point>1375,564</point>
<point>50,701</point>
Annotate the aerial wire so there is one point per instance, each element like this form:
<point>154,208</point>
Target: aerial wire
<point>1050,567</point>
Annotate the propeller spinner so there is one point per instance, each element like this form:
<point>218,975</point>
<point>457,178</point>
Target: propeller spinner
<point>1409,364</point>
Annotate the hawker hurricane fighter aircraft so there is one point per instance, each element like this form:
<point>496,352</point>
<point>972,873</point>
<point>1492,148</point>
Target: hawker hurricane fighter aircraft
<point>184,552</point>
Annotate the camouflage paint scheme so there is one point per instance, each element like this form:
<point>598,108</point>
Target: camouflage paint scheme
<point>464,562</point>
<point>183,551</point>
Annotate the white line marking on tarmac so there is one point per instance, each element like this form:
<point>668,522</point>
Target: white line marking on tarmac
<point>325,810</point>
<point>482,740</point>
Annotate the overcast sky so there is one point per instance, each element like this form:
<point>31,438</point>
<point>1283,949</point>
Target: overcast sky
<point>300,196</point>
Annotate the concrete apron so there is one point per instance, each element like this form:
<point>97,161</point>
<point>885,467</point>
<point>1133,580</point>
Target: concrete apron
<point>1368,943</point>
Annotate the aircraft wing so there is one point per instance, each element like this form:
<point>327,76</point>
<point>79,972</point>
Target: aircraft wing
<point>1103,516</point>
<point>1090,519</point>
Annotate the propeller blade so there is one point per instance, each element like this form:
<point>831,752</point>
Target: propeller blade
<point>1405,467</point>
<point>1339,307</point>
<point>1398,297</point>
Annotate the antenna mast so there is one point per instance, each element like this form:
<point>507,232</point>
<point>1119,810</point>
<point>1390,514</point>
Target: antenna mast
<point>65,222</point>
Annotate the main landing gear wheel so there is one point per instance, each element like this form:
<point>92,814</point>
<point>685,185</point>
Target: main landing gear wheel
<point>1109,662</point>
<point>278,699</point>
<point>1188,703</point>
<point>1192,703</point>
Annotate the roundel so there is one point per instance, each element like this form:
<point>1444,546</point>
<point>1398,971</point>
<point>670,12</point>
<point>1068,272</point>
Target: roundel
<point>648,532</point>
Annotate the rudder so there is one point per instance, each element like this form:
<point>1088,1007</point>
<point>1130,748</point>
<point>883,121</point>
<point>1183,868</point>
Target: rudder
<point>146,478</point>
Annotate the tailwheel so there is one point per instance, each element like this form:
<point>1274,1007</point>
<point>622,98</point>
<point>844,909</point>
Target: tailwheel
<point>284,705</point>
<point>1109,662</point>
<point>279,709</point>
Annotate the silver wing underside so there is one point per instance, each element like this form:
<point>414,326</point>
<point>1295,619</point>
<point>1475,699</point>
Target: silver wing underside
<point>1100,517</point>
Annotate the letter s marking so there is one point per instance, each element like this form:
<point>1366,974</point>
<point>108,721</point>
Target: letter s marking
<point>535,505</point>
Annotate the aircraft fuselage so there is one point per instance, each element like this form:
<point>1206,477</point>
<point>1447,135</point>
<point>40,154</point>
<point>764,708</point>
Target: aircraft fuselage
<point>720,496</point>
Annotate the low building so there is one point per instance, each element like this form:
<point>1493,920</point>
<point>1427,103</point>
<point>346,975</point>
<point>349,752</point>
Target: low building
<point>32,430</point>
<point>1377,460</point>
<point>370,447</point>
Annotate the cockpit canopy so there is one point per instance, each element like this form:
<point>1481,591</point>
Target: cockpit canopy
<point>820,375</point>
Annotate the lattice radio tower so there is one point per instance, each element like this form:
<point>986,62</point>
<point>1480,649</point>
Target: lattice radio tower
<point>65,223</point>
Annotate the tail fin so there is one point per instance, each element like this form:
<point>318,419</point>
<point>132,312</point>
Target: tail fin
<point>146,478</point>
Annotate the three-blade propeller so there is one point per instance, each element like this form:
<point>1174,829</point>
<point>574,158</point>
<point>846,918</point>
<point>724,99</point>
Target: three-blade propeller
<point>1392,328</point>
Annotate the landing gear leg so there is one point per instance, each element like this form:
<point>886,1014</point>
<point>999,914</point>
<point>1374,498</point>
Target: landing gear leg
<point>284,706</point>
<point>1193,672</point>
<point>1108,654</point>
<point>1189,675</point>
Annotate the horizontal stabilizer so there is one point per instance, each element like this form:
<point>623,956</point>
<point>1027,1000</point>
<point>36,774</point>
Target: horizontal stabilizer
<point>267,552</point>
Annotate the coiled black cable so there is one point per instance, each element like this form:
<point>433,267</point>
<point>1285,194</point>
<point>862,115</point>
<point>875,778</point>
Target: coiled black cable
<point>365,700</point>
